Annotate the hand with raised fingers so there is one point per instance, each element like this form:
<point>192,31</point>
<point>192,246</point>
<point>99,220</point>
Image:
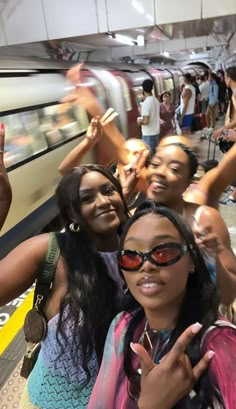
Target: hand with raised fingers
<point>108,118</point>
<point>5,187</point>
<point>94,131</point>
<point>165,384</point>
<point>129,174</point>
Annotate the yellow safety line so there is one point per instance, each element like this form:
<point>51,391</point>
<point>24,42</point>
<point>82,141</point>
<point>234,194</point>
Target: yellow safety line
<point>15,323</point>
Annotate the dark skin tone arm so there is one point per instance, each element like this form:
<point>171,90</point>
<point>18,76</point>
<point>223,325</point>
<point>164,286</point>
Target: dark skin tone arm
<point>216,237</point>
<point>19,270</point>
<point>214,182</point>
<point>5,187</point>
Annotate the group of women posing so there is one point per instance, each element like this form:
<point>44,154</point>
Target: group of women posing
<point>136,296</point>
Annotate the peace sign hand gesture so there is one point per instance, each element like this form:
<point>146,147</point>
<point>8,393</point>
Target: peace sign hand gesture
<point>164,385</point>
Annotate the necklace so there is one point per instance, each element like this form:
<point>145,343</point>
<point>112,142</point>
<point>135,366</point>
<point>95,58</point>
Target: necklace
<point>154,341</point>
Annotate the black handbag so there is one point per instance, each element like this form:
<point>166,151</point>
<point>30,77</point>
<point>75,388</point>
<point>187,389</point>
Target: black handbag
<point>35,325</point>
<point>225,145</point>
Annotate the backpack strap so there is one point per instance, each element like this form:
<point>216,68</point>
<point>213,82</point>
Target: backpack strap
<point>45,278</point>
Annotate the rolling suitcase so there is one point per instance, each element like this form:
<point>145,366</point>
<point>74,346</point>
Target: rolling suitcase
<point>210,163</point>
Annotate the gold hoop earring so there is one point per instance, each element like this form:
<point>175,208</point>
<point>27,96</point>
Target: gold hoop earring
<point>74,228</point>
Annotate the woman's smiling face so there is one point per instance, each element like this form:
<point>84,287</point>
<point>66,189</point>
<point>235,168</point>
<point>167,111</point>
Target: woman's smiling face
<point>168,175</point>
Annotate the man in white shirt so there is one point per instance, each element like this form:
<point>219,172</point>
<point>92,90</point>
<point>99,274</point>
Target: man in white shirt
<point>204,89</point>
<point>187,105</point>
<point>150,117</point>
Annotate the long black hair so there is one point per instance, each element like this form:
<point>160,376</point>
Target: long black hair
<point>200,303</point>
<point>90,301</point>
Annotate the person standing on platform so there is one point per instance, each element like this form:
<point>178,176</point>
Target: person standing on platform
<point>204,89</point>
<point>213,101</point>
<point>150,117</point>
<point>187,105</point>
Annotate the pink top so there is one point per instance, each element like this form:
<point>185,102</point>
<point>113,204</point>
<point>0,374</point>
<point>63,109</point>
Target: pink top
<point>110,390</point>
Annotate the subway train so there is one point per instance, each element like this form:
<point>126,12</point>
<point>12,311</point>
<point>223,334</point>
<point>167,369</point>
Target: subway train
<point>40,131</point>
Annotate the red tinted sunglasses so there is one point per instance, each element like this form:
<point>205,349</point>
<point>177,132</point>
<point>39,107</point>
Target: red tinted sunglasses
<point>162,255</point>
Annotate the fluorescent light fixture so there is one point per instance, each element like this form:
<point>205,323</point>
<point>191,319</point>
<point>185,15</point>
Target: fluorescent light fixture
<point>6,71</point>
<point>140,40</point>
<point>124,40</point>
<point>165,54</point>
<point>138,6</point>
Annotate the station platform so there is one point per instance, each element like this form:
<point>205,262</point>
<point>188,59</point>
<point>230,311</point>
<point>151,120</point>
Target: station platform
<point>12,343</point>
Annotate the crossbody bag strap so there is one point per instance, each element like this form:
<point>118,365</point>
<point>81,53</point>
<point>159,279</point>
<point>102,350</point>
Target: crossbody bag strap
<point>45,278</point>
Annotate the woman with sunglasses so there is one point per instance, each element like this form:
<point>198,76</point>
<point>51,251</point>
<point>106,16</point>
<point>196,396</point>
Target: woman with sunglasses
<point>171,306</point>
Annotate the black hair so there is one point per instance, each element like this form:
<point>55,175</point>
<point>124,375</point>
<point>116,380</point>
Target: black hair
<point>90,301</point>
<point>215,78</point>
<point>231,72</point>
<point>200,303</point>
<point>188,77</point>
<point>147,85</point>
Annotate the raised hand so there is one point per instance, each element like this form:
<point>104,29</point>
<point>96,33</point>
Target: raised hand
<point>129,175</point>
<point>5,187</point>
<point>94,131</point>
<point>165,384</point>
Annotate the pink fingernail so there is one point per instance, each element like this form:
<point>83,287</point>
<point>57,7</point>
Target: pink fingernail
<point>196,328</point>
<point>133,347</point>
<point>2,126</point>
<point>210,354</point>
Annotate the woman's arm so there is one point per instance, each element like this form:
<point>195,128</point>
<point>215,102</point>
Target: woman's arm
<point>18,270</point>
<point>216,239</point>
<point>214,182</point>
<point>5,187</point>
<point>75,157</point>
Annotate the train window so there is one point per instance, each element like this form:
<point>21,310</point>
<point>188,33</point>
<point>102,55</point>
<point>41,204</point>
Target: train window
<point>138,93</point>
<point>126,93</point>
<point>33,131</point>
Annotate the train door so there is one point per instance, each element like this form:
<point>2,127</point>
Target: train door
<point>158,80</point>
<point>129,103</point>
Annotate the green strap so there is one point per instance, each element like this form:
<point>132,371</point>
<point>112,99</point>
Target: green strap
<point>46,275</point>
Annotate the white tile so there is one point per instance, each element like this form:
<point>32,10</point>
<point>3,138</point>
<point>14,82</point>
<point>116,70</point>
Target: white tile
<point>171,11</point>
<point>215,8</point>
<point>70,18</point>
<point>102,16</point>
<point>24,21</point>
<point>123,14</point>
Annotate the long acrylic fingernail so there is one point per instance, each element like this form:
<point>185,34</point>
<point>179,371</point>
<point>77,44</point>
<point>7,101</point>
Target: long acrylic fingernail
<point>196,328</point>
<point>210,354</point>
<point>2,126</point>
<point>133,347</point>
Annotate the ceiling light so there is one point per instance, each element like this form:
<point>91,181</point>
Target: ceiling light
<point>140,40</point>
<point>165,54</point>
<point>140,30</point>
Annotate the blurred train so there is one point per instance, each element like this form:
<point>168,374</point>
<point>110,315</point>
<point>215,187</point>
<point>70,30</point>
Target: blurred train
<point>40,131</point>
